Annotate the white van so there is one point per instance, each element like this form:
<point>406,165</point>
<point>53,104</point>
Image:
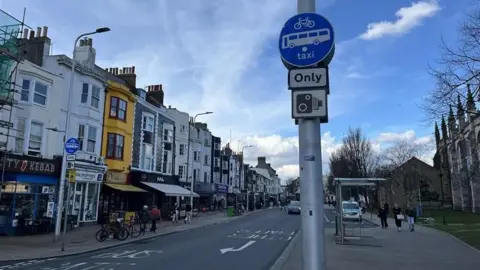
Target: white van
<point>351,211</point>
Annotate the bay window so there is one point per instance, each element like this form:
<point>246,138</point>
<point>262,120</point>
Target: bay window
<point>87,138</point>
<point>92,139</point>
<point>146,162</point>
<point>148,123</point>
<point>94,102</point>
<point>115,146</point>
<point>118,108</point>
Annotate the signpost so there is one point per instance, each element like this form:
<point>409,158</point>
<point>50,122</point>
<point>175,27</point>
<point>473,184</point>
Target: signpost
<point>71,146</point>
<point>306,45</point>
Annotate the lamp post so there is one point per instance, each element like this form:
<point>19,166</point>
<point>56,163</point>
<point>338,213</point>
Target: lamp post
<point>188,158</point>
<point>64,159</point>
<point>242,170</point>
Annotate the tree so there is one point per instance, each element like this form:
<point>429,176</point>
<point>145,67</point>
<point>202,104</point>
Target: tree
<point>457,70</point>
<point>354,159</point>
<point>291,185</point>
<point>409,180</point>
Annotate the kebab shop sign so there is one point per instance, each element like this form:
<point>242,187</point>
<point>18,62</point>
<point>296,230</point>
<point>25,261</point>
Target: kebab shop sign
<point>31,165</point>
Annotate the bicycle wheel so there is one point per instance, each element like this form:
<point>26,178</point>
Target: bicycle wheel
<point>135,230</point>
<point>122,234</point>
<point>101,235</point>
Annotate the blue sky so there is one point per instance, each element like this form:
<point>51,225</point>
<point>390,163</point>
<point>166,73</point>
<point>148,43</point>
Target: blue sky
<point>222,56</point>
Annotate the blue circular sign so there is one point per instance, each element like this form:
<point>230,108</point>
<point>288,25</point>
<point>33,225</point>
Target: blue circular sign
<point>72,145</point>
<point>306,39</point>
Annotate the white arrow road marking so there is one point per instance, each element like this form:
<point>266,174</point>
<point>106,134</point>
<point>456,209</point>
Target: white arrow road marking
<point>225,250</point>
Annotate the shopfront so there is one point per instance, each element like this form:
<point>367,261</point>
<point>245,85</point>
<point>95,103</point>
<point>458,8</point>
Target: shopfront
<point>28,197</point>
<point>166,189</point>
<point>220,196</point>
<point>206,192</point>
<point>118,195</point>
<point>85,193</point>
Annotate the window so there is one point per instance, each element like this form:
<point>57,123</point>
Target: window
<point>40,94</point>
<point>84,93</point>
<point>180,171</point>
<point>206,160</point>
<point>92,139</point>
<point>115,146</point>
<point>215,160</point>
<point>20,136</point>
<point>25,92</point>
<point>35,140</point>
<point>118,108</point>
<point>196,156</point>
<point>164,162</point>
<point>95,97</point>
<point>183,129</point>
<point>205,177</point>
<point>165,135</point>
<point>206,143</point>
<point>182,149</point>
<point>147,156</point>
<point>81,136</point>
<point>148,123</point>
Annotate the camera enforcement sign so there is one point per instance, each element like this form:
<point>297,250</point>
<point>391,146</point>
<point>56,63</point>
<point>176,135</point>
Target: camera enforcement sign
<point>310,104</point>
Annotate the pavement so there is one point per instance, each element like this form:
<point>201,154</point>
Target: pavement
<point>378,248</point>
<point>82,239</point>
<point>252,241</point>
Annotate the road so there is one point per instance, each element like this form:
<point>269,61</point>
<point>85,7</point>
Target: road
<point>251,242</point>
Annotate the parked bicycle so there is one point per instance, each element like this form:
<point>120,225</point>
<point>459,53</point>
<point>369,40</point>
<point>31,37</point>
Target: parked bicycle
<point>114,228</point>
<point>134,226</point>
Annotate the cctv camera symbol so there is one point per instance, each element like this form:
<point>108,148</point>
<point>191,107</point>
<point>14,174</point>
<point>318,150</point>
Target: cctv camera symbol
<point>306,103</point>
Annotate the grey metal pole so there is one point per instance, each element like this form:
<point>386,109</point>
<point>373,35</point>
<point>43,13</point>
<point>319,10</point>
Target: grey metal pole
<point>65,219</point>
<point>311,195</point>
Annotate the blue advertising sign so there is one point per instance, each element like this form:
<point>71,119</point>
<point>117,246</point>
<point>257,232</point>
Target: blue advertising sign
<point>221,188</point>
<point>306,39</point>
<point>72,145</point>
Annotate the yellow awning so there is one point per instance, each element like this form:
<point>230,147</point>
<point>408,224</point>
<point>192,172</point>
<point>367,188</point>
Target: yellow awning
<point>126,188</point>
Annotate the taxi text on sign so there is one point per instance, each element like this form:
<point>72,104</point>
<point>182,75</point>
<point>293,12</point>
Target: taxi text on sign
<point>306,40</point>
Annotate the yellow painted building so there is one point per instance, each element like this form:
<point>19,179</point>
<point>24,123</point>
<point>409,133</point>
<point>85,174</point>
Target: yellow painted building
<point>118,127</point>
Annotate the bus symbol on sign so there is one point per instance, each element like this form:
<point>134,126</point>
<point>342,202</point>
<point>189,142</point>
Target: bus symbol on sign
<point>306,40</point>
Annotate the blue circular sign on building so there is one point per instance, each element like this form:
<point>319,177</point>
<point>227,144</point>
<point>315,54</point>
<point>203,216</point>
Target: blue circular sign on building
<point>72,145</point>
<point>306,39</point>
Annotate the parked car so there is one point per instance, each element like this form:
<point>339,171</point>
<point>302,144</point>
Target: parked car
<point>294,207</point>
<point>351,211</point>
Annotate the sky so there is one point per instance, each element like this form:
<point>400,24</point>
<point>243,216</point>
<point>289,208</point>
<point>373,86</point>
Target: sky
<point>222,56</point>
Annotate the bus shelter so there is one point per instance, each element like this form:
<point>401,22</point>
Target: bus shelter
<point>348,182</point>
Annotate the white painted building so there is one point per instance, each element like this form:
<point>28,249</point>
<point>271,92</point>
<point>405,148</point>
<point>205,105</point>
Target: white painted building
<point>206,140</point>
<point>181,142</point>
<point>86,122</point>
<point>195,162</point>
<point>235,174</point>
<point>37,109</point>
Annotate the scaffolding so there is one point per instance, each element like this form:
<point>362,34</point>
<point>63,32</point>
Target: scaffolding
<point>12,51</point>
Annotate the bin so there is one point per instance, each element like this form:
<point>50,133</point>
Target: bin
<point>230,211</point>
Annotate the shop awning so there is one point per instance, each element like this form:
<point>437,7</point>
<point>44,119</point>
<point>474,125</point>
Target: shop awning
<point>126,188</point>
<point>171,190</point>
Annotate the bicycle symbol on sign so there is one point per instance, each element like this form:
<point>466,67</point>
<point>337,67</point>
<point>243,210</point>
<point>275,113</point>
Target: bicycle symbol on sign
<point>306,22</point>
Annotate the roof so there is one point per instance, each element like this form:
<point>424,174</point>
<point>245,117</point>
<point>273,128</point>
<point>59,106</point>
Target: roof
<point>262,172</point>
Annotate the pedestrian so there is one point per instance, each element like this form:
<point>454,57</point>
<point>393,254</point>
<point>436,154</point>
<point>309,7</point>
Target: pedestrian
<point>410,217</point>
<point>397,215</point>
<point>175,213</point>
<point>144,216</point>
<point>154,216</point>
<point>382,214</point>
<point>188,216</point>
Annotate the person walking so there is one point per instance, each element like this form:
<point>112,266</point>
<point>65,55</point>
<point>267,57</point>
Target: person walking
<point>175,213</point>
<point>386,208</point>
<point>144,216</point>
<point>188,216</point>
<point>154,216</point>
<point>382,214</point>
<point>410,217</point>
<point>398,216</point>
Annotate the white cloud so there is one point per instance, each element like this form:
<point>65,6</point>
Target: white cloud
<point>408,18</point>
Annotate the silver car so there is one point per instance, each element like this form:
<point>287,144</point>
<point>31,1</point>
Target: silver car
<point>294,207</point>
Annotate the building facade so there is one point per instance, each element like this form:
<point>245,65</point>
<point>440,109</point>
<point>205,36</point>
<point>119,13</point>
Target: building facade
<point>181,120</point>
<point>216,176</point>
<point>457,156</point>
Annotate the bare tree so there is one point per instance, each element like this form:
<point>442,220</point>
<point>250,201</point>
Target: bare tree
<point>409,181</point>
<point>457,68</point>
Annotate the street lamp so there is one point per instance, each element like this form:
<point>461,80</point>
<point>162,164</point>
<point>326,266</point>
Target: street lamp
<point>58,220</point>
<point>188,158</point>
<point>242,171</point>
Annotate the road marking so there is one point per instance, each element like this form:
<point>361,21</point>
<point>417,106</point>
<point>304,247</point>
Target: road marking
<point>128,254</point>
<point>265,236</point>
<point>292,233</point>
<point>230,249</point>
<point>289,238</point>
<point>262,235</point>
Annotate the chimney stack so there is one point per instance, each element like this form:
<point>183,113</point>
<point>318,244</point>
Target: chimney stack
<point>39,32</point>
<point>25,33</point>
<point>32,35</point>
<point>82,42</point>
<point>45,31</point>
